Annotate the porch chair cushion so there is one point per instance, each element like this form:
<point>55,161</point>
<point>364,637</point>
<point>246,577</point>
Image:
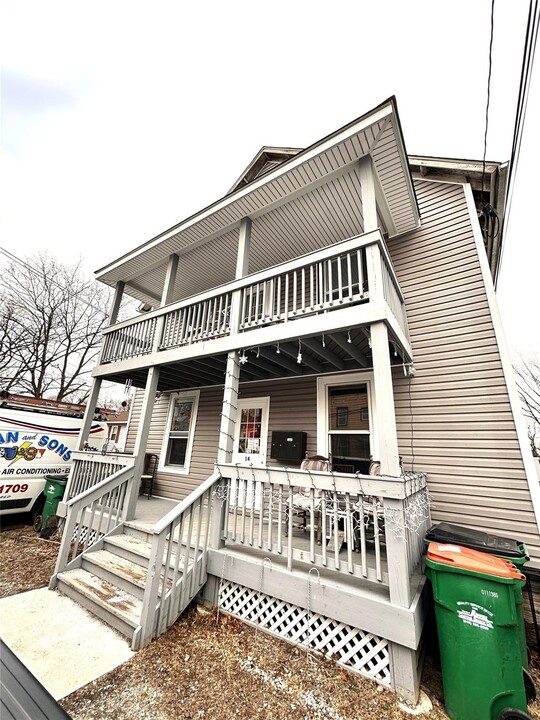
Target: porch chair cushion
<point>301,500</point>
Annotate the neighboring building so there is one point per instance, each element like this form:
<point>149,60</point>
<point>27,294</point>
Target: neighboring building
<point>117,428</point>
<point>338,301</point>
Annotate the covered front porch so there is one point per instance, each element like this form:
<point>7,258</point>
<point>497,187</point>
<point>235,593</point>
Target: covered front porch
<point>349,582</point>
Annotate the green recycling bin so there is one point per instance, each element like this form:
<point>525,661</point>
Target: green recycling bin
<point>512,550</point>
<point>55,486</point>
<point>478,627</point>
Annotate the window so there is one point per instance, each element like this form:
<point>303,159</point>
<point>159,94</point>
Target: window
<point>115,432</point>
<point>342,416</point>
<point>179,432</point>
<point>345,421</point>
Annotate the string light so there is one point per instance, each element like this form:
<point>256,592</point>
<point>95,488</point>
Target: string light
<point>243,358</point>
<point>278,351</point>
<point>349,336</point>
<point>299,356</point>
<point>323,341</point>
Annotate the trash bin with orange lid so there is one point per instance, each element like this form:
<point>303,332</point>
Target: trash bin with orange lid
<point>513,550</point>
<point>478,629</point>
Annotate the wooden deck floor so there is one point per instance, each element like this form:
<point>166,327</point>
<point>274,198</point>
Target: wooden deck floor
<point>348,566</point>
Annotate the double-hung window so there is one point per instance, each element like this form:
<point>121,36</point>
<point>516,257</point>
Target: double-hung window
<point>179,432</point>
<point>345,421</point>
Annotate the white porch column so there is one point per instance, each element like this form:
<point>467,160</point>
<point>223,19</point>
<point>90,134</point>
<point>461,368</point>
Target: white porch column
<point>142,436</point>
<point>166,297</point>
<point>117,300</point>
<point>384,399</point>
<point>96,382</point>
<point>229,412</point>
<point>368,194</point>
<point>89,412</point>
<point>396,547</point>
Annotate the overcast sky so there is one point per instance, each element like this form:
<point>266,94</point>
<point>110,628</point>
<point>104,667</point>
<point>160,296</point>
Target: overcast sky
<point>119,119</point>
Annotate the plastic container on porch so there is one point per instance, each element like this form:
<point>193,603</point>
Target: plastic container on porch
<point>55,486</point>
<point>512,550</point>
<point>478,628</point>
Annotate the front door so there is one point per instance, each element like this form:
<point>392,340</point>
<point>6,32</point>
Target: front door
<point>250,443</point>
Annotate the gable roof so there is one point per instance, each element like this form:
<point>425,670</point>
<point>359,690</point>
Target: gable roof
<point>313,170</point>
<point>265,160</point>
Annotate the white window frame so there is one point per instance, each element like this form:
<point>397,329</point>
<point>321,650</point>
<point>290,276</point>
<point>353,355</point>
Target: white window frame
<point>175,469</point>
<point>323,431</point>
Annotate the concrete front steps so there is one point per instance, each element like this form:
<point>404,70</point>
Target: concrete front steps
<point>111,580</point>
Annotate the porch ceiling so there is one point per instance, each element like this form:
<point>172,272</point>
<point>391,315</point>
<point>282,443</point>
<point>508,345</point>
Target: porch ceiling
<point>321,182</point>
<point>320,355</point>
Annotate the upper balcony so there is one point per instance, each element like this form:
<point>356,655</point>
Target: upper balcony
<point>334,290</point>
<point>293,254</point>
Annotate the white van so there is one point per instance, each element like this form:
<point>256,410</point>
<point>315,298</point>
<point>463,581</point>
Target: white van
<point>35,441</point>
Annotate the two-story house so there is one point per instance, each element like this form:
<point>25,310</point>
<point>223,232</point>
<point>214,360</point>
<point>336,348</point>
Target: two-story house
<point>338,302</point>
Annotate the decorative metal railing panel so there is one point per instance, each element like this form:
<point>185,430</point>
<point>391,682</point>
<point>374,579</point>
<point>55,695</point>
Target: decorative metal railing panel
<point>349,646</point>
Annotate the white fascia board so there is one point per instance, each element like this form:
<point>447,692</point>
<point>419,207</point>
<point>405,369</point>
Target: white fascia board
<point>385,110</point>
<point>506,362</point>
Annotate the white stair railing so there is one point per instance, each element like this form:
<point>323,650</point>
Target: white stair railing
<point>178,561</point>
<point>91,515</point>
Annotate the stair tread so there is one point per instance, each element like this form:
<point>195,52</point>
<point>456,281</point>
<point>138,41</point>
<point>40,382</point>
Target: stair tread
<point>118,565</point>
<point>118,602</point>
<point>129,542</point>
<point>140,548</point>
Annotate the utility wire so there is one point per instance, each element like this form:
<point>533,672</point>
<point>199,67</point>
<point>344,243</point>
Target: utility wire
<point>529,50</point>
<point>13,258</point>
<point>488,92</point>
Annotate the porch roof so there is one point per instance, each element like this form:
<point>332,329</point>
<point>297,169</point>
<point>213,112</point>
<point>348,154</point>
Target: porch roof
<point>281,204</point>
<point>336,352</point>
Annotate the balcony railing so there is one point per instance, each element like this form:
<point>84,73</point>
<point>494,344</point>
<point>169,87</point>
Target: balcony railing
<point>380,520</point>
<point>90,468</point>
<point>332,278</point>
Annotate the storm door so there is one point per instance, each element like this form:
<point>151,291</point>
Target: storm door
<point>250,444</point>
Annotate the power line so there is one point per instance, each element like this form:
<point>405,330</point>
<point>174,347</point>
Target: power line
<point>529,49</point>
<point>488,92</point>
<point>13,258</point>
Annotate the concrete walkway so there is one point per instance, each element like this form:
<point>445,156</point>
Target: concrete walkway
<point>62,644</point>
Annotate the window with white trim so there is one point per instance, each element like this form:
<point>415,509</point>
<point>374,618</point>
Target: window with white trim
<point>346,427</point>
<point>179,432</point>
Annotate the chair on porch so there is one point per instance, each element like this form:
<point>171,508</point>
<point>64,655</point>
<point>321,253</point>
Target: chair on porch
<point>301,500</point>
<point>369,510</point>
<point>148,474</point>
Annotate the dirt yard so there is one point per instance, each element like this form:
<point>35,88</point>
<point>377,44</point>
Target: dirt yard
<point>215,668</point>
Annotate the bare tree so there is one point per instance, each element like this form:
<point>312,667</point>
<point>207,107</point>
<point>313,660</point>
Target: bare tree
<point>528,382</point>
<point>51,317</point>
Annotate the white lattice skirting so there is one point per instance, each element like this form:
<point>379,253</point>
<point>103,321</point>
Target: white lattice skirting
<point>92,538</point>
<point>356,649</point>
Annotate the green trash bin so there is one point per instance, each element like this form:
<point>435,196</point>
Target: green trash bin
<point>55,487</point>
<point>478,628</point>
<point>512,550</point>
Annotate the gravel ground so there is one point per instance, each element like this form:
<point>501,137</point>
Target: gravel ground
<point>215,668</point>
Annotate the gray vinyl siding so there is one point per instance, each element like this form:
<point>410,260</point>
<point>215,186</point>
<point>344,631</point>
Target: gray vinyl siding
<point>457,419</point>
<point>454,418</point>
<point>292,407</point>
